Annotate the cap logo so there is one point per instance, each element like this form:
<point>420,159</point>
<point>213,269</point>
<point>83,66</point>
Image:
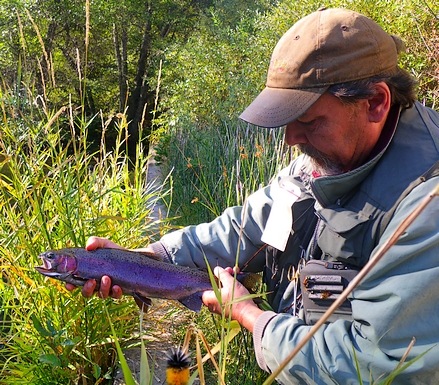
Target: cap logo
<point>279,66</point>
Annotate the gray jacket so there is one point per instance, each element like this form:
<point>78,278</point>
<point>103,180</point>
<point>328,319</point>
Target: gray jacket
<point>395,302</point>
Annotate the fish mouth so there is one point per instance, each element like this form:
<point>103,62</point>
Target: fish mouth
<point>46,268</point>
<point>47,265</point>
<point>54,274</point>
<point>48,272</point>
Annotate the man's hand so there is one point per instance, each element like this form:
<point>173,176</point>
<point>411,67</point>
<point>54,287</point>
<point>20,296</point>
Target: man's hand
<point>105,289</point>
<point>94,243</point>
<point>245,312</point>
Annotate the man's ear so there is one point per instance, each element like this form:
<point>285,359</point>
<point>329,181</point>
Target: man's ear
<point>380,103</point>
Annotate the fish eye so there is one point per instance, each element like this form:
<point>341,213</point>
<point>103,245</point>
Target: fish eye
<point>50,255</point>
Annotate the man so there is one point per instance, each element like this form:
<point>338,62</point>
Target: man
<point>334,82</point>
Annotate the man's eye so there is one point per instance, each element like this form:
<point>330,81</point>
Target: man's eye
<point>306,122</point>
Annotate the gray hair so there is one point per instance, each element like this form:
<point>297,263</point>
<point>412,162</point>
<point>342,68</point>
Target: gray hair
<point>402,86</point>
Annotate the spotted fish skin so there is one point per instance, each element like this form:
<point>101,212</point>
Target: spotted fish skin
<point>137,273</point>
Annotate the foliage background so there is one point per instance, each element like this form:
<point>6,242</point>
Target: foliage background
<point>208,81</point>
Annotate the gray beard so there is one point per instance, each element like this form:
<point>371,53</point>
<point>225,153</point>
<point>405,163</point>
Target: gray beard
<point>322,164</point>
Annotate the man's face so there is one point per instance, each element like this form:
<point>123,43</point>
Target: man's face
<point>337,136</point>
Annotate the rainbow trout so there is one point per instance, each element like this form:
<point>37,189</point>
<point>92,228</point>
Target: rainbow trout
<point>138,274</point>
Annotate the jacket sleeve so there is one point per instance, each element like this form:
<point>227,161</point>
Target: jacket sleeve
<point>233,236</point>
<point>396,301</point>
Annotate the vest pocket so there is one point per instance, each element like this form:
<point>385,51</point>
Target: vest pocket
<point>345,235</point>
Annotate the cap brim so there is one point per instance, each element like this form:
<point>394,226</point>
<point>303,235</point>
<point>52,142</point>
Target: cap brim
<point>275,107</point>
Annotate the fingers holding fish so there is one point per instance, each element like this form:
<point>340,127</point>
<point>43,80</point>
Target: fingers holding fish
<point>103,290</point>
<point>231,290</point>
<point>94,243</point>
<point>89,288</point>
<point>245,311</point>
<point>106,289</point>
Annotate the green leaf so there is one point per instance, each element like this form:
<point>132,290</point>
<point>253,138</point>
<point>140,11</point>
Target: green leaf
<point>214,282</point>
<point>96,371</point>
<point>400,368</point>
<point>50,359</point>
<point>193,377</point>
<point>39,327</point>
<point>127,375</point>
<point>145,371</point>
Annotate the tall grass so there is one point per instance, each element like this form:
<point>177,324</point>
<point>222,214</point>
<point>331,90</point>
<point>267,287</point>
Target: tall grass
<point>213,169</point>
<point>55,191</point>
<point>219,167</point>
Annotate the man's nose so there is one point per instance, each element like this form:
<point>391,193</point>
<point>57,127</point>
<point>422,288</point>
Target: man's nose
<point>295,134</point>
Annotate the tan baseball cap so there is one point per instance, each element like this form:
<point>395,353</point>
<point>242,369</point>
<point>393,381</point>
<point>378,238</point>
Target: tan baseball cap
<point>327,47</point>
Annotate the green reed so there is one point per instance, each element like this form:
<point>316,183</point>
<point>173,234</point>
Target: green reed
<point>214,168</point>
<point>55,191</point>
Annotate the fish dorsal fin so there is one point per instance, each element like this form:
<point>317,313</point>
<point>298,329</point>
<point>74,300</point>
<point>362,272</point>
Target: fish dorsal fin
<point>150,255</point>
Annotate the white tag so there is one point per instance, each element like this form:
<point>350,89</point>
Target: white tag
<point>280,220</point>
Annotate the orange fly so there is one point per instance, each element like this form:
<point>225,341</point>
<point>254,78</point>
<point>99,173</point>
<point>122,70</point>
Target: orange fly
<point>177,370</point>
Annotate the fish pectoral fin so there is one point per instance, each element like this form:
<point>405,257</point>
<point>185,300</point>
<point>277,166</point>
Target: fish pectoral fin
<point>192,302</point>
<point>142,302</point>
<point>73,279</point>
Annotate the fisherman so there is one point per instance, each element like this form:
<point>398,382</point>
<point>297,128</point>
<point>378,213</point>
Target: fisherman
<point>335,84</point>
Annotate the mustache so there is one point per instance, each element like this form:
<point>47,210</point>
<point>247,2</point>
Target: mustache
<point>322,163</point>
